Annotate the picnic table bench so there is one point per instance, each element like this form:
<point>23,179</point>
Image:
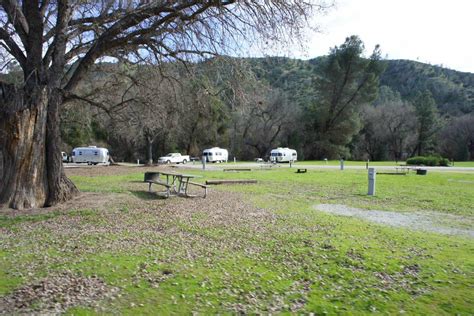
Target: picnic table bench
<point>176,184</point>
<point>154,178</point>
<point>198,185</point>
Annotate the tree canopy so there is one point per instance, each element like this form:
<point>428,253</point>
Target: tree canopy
<point>56,43</point>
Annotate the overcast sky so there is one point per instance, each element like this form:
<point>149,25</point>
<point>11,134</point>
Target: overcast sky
<point>438,32</point>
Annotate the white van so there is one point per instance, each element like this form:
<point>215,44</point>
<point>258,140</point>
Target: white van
<point>283,155</point>
<point>90,155</point>
<point>216,154</point>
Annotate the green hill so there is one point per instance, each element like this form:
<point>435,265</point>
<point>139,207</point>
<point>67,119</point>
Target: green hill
<point>452,90</point>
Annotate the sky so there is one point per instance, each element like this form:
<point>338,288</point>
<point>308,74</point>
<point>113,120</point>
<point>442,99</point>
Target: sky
<point>437,32</point>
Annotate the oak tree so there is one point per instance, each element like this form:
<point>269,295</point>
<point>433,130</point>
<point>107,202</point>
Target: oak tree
<point>56,43</point>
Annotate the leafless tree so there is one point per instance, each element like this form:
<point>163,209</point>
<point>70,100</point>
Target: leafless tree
<point>56,43</point>
<point>265,121</point>
<point>204,114</point>
<point>457,138</point>
<point>389,128</point>
<point>152,109</point>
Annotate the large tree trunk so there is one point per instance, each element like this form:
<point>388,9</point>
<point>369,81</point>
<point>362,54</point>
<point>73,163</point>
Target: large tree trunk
<point>149,148</point>
<point>60,187</point>
<point>32,168</point>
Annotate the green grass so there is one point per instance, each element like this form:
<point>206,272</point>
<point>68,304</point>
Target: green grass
<point>297,257</point>
<point>441,192</point>
<point>354,163</point>
<point>469,164</point>
<point>350,163</point>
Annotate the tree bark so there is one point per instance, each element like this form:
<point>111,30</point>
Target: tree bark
<point>60,187</point>
<point>24,181</point>
<point>33,175</point>
<point>149,146</point>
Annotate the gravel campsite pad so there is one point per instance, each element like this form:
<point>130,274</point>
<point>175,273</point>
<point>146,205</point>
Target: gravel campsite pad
<point>447,224</point>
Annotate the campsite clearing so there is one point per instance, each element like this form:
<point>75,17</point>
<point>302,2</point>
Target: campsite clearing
<point>245,248</point>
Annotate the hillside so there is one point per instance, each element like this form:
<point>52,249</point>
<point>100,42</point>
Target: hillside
<point>452,90</point>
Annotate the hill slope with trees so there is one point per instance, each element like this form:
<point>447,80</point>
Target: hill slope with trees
<point>453,91</point>
<point>251,105</point>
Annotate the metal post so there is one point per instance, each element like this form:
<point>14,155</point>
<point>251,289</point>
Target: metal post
<point>235,160</point>
<point>372,175</point>
<point>367,165</point>
<point>138,161</point>
<point>203,159</point>
<point>342,164</point>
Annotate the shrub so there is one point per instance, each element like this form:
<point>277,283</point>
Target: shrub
<point>431,161</point>
<point>444,162</point>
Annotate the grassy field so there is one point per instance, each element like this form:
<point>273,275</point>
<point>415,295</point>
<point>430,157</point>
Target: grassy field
<point>362,163</point>
<point>248,248</point>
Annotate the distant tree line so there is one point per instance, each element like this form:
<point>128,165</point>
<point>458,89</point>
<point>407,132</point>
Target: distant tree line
<point>332,107</point>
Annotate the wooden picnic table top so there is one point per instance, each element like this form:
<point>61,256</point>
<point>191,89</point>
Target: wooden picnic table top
<point>169,173</point>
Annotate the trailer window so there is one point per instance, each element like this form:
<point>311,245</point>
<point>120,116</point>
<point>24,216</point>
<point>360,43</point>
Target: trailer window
<point>80,153</point>
<point>96,153</point>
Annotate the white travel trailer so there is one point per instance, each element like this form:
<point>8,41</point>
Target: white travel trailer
<point>283,155</point>
<point>64,157</point>
<point>216,154</point>
<point>90,155</point>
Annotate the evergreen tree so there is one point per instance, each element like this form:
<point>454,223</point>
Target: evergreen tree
<point>346,81</point>
<point>427,117</point>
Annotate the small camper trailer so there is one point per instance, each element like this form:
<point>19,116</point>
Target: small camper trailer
<point>64,157</point>
<point>90,155</point>
<point>283,155</point>
<point>216,154</point>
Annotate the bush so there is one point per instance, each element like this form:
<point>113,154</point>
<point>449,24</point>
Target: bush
<point>444,162</point>
<point>431,161</point>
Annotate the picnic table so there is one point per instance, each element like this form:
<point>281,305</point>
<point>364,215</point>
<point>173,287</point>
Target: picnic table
<point>406,169</point>
<point>176,184</point>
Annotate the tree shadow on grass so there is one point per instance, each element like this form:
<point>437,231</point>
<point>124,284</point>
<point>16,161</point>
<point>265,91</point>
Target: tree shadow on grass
<point>145,195</point>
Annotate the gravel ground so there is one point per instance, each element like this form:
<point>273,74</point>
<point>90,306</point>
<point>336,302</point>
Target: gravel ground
<point>446,224</point>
